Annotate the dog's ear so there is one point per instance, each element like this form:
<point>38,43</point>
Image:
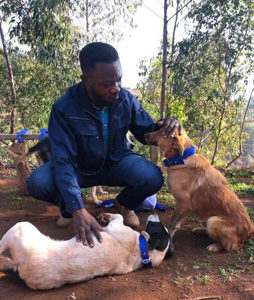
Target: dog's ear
<point>146,235</point>
<point>177,143</point>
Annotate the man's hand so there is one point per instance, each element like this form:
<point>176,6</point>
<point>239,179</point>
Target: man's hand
<point>170,126</point>
<point>84,224</point>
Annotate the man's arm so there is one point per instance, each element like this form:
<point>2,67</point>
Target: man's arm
<point>143,123</point>
<point>63,156</point>
<point>84,224</point>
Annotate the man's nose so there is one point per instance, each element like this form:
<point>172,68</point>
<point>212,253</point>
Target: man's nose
<point>116,89</point>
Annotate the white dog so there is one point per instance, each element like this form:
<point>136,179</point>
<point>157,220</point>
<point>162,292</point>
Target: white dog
<point>44,263</point>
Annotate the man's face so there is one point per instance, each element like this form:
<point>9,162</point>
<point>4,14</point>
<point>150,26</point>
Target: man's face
<point>103,83</point>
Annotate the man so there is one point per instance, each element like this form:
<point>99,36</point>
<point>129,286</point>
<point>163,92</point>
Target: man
<point>87,130</point>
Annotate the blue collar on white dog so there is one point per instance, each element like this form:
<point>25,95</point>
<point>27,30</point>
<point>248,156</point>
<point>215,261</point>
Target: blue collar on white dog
<point>144,253</point>
<point>179,159</point>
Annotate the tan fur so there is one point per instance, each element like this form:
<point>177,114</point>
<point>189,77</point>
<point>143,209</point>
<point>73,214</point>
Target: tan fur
<point>44,263</point>
<point>200,189</point>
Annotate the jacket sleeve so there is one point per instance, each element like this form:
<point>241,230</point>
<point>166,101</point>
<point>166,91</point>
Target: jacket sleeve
<point>63,157</point>
<point>141,121</point>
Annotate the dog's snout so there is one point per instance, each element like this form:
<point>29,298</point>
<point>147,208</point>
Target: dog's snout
<point>149,139</point>
<point>153,218</point>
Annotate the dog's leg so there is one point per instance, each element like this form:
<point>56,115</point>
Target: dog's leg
<point>93,194</point>
<point>101,191</point>
<point>222,230</point>
<point>177,217</point>
<point>6,265</point>
<point>106,218</point>
<point>200,230</point>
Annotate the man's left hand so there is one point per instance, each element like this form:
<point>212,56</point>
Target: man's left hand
<point>170,126</point>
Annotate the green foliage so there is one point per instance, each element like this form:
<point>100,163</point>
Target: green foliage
<point>53,32</point>
<point>205,88</point>
<point>55,29</point>
<point>241,187</point>
<point>37,85</point>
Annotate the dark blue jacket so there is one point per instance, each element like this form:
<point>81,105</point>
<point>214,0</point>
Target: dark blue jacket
<point>77,139</point>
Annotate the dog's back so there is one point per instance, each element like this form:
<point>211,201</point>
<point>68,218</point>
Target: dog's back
<point>43,148</point>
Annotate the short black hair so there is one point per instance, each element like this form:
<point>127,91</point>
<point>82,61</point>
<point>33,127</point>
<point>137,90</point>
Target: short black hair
<point>96,52</point>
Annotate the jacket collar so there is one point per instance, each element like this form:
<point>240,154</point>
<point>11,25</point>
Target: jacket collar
<point>179,159</point>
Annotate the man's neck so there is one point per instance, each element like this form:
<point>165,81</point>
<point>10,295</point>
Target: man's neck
<point>97,107</point>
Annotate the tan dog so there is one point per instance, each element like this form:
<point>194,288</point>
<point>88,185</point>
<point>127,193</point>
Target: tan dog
<point>44,263</point>
<point>200,189</point>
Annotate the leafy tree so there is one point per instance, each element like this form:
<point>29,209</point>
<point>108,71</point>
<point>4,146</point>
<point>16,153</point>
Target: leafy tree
<point>207,70</point>
<point>53,32</point>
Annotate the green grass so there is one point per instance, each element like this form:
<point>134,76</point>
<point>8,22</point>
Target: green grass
<point>249,246</point>
<point>22,201</point>
<point>238,173</point>
<point>241,187</point>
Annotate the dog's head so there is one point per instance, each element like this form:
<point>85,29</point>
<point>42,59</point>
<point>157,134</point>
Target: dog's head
<point>159,237</point>
<point>171,145</point>
<point>129,142</point>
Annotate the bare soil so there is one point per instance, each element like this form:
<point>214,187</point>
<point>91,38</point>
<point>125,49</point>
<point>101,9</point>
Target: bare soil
<point>192,273</point>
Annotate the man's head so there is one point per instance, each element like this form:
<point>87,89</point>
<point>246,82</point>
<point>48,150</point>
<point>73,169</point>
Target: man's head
<point>101,73</point>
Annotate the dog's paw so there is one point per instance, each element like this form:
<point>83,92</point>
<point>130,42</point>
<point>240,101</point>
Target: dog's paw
<point>97,201</point>
<point>199,231</point>
<point>104,218</point>
<point>215,247</point>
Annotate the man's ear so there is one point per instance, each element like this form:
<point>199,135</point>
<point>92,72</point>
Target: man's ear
<point>84,78</point>
<point>177,144</point>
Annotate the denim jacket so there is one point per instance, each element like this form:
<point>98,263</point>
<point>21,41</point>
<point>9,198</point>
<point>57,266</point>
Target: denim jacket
<point>77,139</point>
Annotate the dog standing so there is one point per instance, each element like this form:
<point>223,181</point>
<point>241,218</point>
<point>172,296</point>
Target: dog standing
<point>42,151</point>
<point>44,263</point>
<point>200,189</point>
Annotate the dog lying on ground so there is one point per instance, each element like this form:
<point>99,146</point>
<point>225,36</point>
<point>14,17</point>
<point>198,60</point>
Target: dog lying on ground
<point>200,189</point>
<point>44,263</point>
<point>42,151</point>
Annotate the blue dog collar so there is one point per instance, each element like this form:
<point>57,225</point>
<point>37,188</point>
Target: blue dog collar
<point>144,253</point>
<point>179,159</point>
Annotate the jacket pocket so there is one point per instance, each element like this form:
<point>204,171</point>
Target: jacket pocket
<point>88,140</point>
<point>82,126</point>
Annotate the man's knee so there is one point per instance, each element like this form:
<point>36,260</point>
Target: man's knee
<point>41,185</point>
<point>151,179</point>
<point>32,185</point>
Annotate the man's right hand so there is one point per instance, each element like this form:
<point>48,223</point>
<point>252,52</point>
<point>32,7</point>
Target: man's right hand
<point>84,224</point>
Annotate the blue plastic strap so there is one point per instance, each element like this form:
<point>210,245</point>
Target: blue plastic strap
<point>43,133</point>
<point>107,203</point>
<point>160,207</point>
<point>24,131</point>
<point>144,252</point>
<point>178,159</point>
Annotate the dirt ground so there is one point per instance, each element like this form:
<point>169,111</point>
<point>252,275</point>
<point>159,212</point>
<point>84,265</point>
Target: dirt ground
<point>192,273</point>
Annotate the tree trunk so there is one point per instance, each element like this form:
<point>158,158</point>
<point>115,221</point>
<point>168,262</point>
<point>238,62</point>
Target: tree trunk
<point>18,152</point>
<point>154,154</point>
<point>241,132</point>
<point>11,78</point>
<point>164,59</point>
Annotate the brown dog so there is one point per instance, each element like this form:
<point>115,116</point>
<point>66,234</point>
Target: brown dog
<point>200,189</point>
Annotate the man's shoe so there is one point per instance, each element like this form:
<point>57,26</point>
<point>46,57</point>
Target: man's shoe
<point>64,222</point>
<point>129,216</point>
